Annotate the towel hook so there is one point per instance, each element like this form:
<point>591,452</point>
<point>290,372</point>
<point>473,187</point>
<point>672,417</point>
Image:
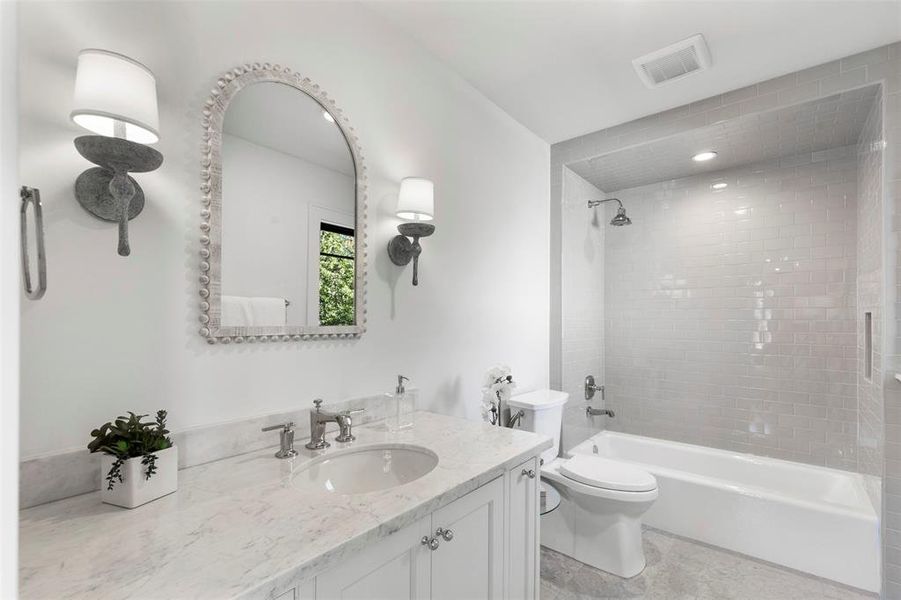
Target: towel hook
<point>32,196</point>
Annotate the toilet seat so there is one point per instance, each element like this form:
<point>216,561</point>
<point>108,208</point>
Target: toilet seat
<point>607,474</point>
<point>552,473</point>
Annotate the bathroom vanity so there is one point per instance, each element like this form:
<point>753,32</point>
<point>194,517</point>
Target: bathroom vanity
<point>254,526</point>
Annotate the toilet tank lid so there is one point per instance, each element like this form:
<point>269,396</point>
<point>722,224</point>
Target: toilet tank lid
<point>539,400</point>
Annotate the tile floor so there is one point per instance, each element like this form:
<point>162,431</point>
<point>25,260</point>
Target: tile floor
<point>680,569</point>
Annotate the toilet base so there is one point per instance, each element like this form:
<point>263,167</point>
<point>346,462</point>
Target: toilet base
<point>598,532</point>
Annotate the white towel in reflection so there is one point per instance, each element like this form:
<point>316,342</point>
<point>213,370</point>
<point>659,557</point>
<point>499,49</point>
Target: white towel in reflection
<point>244,311</point>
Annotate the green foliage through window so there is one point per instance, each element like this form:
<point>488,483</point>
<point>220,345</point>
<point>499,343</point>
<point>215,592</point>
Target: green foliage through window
<point>336,275</point>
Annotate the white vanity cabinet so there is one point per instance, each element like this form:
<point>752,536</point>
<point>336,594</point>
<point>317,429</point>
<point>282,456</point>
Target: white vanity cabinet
<point>522,527</point>
<point>482,546</point>
<point>398,567</point>
<point>471,564</point>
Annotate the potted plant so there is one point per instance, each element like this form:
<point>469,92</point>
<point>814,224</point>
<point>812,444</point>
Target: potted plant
<point>139,462</point>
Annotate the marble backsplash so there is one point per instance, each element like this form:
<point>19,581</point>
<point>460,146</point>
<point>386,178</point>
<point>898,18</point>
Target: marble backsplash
<point>61,475</point>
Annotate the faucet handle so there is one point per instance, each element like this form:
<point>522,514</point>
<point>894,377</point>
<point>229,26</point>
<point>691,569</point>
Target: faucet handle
<point>286,437</point>
<point>345,423</point>
<point>318,403</point>
<point>283,426</point>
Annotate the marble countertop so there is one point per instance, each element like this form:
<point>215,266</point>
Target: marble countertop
<point>238,528</point>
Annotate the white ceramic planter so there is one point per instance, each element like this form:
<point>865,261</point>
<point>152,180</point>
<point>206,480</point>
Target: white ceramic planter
<point>135,489</point>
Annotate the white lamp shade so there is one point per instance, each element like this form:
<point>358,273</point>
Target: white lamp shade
<point>110,87</point>
<point>416,201</point>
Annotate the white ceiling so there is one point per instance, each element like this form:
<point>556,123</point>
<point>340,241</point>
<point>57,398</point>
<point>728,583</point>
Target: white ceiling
<point>808,127</point>
<point>283,118</point>
<point>563,69</point>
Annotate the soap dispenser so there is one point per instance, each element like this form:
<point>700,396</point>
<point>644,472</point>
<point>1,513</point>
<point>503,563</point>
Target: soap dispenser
<point>405,405</point>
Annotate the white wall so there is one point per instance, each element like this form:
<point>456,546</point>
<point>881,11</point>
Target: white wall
<point>9,306</point>
<point>119,333</point>
<point>582,274</point>
<point>267,197</point>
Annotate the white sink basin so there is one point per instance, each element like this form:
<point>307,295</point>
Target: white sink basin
<point>365,469</point>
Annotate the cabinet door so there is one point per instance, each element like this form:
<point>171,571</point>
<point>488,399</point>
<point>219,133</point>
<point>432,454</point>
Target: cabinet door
<point>471,565</point>
<point>522,531</point>
<point>396,568</point>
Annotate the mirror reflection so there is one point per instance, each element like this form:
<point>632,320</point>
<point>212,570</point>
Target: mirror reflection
<point>288,212</point>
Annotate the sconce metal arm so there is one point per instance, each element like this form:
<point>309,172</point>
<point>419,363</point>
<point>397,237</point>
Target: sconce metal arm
<point>401,250</point>
<point>107,191</point>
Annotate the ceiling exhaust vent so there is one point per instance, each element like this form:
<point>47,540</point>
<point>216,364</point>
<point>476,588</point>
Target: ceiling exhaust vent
<point>674,62</point>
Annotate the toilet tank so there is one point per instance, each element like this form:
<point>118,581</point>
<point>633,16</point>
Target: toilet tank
<point>543,414</point>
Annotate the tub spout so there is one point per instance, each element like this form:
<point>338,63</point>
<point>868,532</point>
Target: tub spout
<point>595,412</point>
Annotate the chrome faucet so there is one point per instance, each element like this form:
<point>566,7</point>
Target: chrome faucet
<point>596,412</point>
<point>318,420</point>
<point>591,387</point>
<point>286,437</point>
<point>345,423</point>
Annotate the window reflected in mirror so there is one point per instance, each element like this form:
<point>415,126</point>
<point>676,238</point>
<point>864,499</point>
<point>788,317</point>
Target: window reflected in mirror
<point>336,275</point>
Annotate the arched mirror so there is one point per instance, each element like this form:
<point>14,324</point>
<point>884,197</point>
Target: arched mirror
<point>283,232</point>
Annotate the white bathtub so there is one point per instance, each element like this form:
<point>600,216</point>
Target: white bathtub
<point>812,519</point>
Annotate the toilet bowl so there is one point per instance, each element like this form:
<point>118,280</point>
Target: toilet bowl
<point>598,521</point>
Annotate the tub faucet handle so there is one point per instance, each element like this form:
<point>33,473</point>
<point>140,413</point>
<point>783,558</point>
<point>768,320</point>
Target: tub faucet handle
<point>591,387</point>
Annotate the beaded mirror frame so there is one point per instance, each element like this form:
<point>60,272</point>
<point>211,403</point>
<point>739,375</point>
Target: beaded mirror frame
<point>213,118</point>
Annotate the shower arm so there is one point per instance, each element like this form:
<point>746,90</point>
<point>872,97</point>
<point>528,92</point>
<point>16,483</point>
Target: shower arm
<point>593,203</point>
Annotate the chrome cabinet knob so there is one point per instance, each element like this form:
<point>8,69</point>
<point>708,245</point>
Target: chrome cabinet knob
<point>530,473</point>
<point>447,534</point>
<point>432,543</point>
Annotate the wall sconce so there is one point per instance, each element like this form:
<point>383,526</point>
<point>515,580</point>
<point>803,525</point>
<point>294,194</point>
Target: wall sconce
<point>115,97</point>
<point>416,203</point>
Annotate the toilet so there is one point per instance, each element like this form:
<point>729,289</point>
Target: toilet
<point>598,521</point>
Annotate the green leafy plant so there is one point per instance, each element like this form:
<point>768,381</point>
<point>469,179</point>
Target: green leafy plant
<point>336,279</point>
<point>130,437</point>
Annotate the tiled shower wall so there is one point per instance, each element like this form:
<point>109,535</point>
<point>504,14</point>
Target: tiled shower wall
<point>870,301</point>
<point>582,291</point>
<point>730,314</point>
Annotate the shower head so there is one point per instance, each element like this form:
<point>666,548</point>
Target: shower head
<point>620,219</point>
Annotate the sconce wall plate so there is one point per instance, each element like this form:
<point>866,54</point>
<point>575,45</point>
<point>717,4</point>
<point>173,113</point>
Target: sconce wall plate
<point>401,250</point>
<point>108,192</point>
<point>92,192</point>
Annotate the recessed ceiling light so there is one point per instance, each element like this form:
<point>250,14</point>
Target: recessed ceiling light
<point>720,186</point>
<point>328,117</point>
<point>702,156</point>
